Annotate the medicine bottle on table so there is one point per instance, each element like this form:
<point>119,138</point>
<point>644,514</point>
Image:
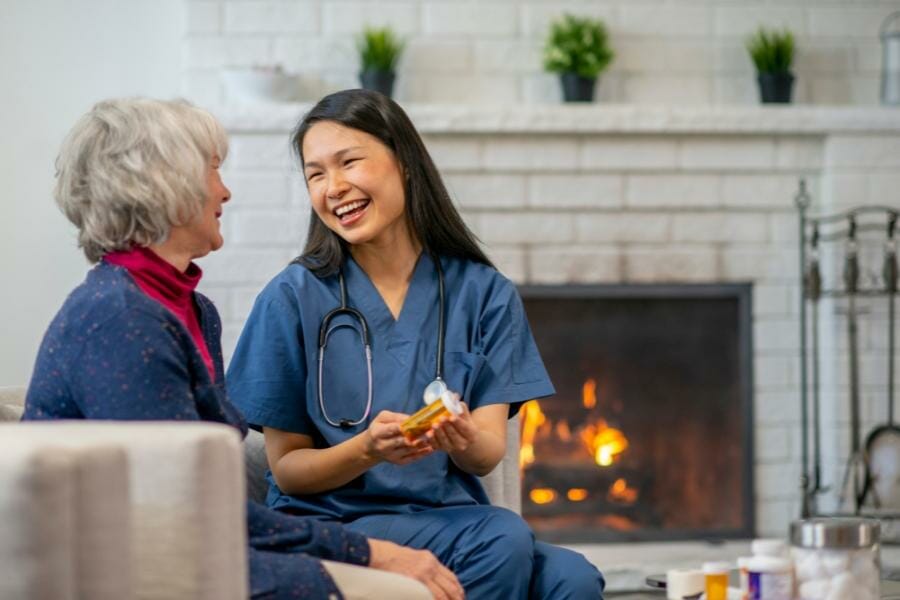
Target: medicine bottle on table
<point>716,577</point>
<point>770,548</point>
<point>769,578</point>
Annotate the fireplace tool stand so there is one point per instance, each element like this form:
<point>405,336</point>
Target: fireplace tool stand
<point>871,463</point>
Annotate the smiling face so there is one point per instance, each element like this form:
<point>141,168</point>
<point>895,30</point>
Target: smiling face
<point>355,184</point>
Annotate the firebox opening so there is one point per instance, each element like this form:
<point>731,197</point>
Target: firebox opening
<point>649,434</point>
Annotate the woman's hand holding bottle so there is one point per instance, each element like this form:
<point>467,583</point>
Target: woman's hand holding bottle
<point>386,443</point>
<point>453,433</point>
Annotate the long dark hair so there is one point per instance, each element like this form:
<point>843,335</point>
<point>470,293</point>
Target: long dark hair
<point>430,214</point>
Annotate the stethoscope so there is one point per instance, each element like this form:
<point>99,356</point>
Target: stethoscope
<point>433,390</point>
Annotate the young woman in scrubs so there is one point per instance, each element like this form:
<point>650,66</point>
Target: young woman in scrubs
<point>383,222</point>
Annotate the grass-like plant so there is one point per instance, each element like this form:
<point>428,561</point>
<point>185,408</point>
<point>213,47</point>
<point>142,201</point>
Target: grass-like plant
<point>379,49</point>
<point>772,51</point>
<point>577,45</point>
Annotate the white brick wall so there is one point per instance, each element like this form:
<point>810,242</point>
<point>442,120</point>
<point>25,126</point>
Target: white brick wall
<point>271,17</point>
<point>469,18</point>
<point>603,207</point>
<point>668,51</point>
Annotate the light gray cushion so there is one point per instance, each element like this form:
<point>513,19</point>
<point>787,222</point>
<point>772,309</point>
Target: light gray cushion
<point>257,464</point>
<point>10,412</point>
<point>12,395</point>
<point>502,484</point>
<point>12,402</point>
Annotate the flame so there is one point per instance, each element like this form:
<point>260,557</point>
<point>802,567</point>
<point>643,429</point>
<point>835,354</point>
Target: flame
<point>563,431</point>
<point>605,443</point>
<point>532,418</point>
<point>542,495</point>
<point>621,493</point>
<point>577,494</point>
<point>589,394</point>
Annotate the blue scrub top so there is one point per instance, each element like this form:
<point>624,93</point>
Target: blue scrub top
<point>490,358</point>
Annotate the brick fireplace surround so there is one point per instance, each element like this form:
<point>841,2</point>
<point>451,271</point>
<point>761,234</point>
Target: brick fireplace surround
<point>615,194</point>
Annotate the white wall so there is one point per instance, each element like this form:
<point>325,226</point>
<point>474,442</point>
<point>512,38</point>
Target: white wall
<point>58,57</point>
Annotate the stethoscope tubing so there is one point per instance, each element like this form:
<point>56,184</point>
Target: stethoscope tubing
<point>325,331</point>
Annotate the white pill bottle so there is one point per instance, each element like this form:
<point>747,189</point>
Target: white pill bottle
<point>769,573</point>
<point>837,558</point>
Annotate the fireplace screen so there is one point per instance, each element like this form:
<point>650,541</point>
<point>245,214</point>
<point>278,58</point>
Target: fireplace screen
<point>649,434</point>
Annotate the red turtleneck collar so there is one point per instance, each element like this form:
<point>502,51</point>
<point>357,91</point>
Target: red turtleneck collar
<point>168,286</point>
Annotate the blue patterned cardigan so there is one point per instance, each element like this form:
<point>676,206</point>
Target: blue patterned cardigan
<point>112,352</point>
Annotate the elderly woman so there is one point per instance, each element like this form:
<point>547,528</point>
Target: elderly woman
<point>140,180</point>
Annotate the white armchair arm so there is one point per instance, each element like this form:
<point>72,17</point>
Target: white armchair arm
<point>178,519</point>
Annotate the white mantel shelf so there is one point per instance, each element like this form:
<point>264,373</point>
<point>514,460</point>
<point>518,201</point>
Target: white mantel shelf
<point>598,119</point>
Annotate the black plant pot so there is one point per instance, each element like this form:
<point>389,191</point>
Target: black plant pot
<point>378,81</point>
<point>577,88</point>
<point>775,88</point>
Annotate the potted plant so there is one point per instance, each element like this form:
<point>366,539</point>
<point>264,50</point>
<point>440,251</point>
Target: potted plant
<point>773,53</point>
<point>379,51</point>
<point>578,49</point>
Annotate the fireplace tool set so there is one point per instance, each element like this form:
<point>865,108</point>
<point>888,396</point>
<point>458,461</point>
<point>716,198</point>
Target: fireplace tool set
<point>872,472</point>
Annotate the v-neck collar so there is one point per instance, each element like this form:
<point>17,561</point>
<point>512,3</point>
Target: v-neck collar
<point>421,297</point>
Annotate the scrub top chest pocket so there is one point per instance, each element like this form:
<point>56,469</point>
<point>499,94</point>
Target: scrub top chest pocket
<point>462,370</point>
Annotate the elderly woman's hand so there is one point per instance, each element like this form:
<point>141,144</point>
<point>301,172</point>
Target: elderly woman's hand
<point>418,564</point>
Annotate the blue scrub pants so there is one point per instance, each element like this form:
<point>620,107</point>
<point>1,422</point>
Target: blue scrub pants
<point>492,551</point>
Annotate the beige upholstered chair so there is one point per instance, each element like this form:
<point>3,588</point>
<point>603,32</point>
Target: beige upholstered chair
<point>127,510</point>
<point>148,510</point>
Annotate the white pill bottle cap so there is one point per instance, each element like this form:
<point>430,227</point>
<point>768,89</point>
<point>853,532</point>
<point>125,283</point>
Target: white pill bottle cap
<point>769,547</point>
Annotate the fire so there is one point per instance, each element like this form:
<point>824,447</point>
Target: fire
<point>605,443</point>
<point>620,492</point>
<point>542,495</point>
<point>532,419</point>
<point>577,494</point>
<point>589,394</point>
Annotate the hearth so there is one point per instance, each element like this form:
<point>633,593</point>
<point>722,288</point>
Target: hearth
<point>649,434</point>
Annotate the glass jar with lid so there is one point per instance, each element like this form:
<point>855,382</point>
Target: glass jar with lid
<point>837,558</point>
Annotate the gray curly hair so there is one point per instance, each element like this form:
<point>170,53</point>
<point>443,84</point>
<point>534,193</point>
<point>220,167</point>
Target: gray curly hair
<point>131,169</point>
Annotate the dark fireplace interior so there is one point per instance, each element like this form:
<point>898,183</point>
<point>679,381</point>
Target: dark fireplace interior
<point>649,434</point>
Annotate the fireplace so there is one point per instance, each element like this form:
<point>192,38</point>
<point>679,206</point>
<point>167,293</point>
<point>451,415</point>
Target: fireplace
<point>649,434</point>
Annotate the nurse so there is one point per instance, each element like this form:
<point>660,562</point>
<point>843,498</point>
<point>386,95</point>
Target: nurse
<point>330,390</point>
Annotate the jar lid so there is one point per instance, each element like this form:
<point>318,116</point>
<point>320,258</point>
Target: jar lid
<point>838,532</point>
<point>768,547</point>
